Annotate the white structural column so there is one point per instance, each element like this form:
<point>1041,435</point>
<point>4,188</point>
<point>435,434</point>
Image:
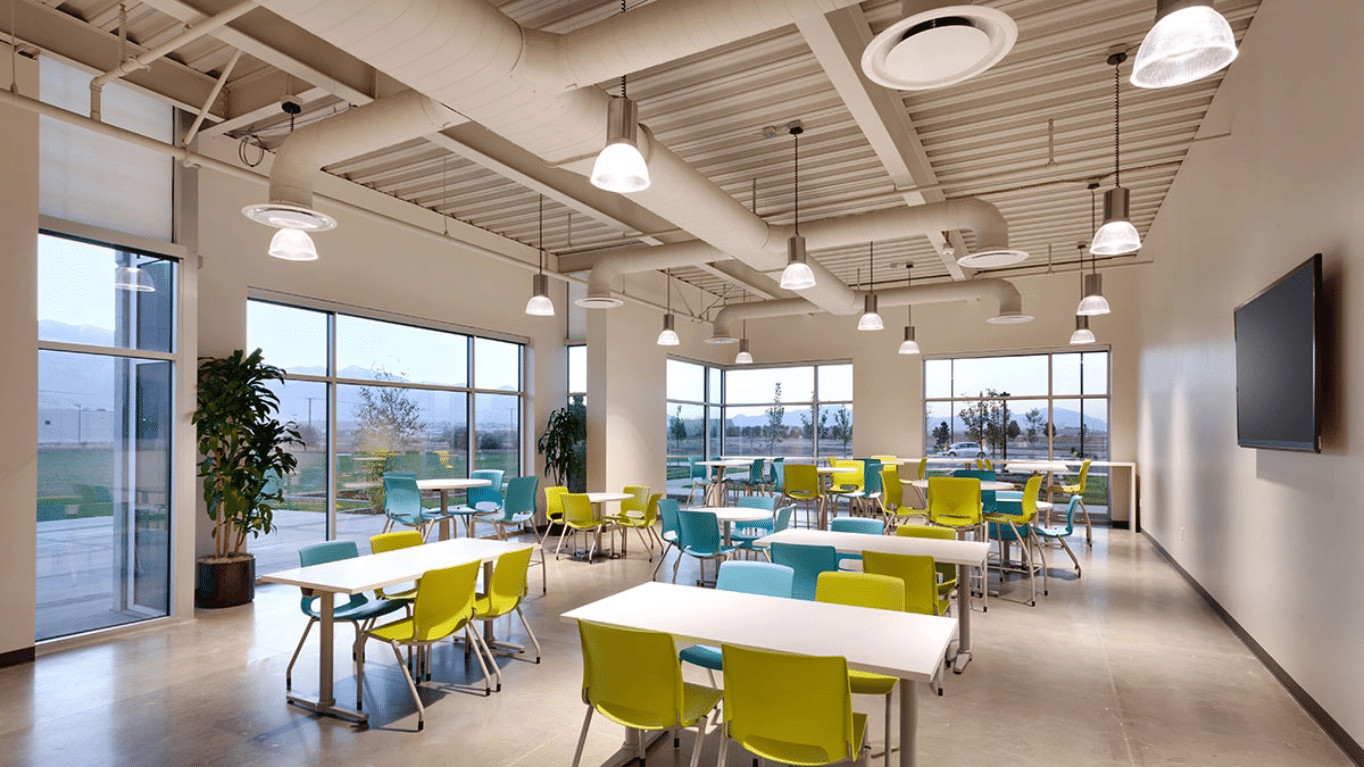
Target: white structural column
<point>19,374</point>
<point>626,399</point>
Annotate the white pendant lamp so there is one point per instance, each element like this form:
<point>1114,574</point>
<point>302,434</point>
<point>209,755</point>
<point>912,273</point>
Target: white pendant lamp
<point>871,319</point>
<point>1190,40</point>
<point>909,345</point>
<point>620,167</point>
<point>797,275</point>
<point>539,304</point>
<point>133,279</point>
<point>292,245</point>
<point>1092,299</point>
<point>1117,235</point>
<point>668,335</point>
<point>743,357</point>
<point>1082,334</point>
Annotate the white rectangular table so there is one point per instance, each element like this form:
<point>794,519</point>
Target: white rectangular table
<point>374,571</point>
<point>444,485</point>
<point>960,553</point>
<point>904,645</point>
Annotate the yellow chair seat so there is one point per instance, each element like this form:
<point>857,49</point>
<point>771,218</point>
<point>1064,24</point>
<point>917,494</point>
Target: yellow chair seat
<point>867,683</point>
<point>797,753</point>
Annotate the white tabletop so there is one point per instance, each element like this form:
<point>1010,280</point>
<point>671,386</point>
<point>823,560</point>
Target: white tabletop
<point>352,576</point>
<point>726,462</point>
<point>607,497</point>
<point>986,485</point>
<point>839,469</point>
<point>970,553</point>
<point>904,645</point>
<point>451,483</point>
<point>1028,467</point>
<point>735,513</point>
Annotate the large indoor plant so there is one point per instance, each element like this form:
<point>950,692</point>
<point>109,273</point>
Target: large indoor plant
<point>243,456</point>
<point>564,446</point>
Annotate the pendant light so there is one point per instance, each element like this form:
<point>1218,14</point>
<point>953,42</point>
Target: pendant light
<point>132,278</point>
<point>668,335</point>
<point>909,345</point>
<point>871,319</point>
<point>1190,40</point>
<point>797,275</point>
<point>743,357</point>
<point>620,167</point>
<point>539,304</point>
<point>1117,235</point>
<point>1082,334</point>
<point>292,245</point>
<point>1092,299</point>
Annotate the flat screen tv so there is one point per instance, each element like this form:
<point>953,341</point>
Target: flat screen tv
<point>1278,370</point>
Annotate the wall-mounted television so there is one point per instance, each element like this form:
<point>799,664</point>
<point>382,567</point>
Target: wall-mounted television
<point>1278,363</point>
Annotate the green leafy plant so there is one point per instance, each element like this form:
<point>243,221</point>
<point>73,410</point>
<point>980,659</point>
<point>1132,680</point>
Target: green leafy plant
<point>564,446</point>
<point>243,448</point>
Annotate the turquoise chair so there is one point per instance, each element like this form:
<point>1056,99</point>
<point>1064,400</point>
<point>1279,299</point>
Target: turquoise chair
<point>762,578</point>
<point>756,480</point>
<point>700,538</point>
<point>668,509</point>
<point>871,485</point>
<point>752,531</point>
<point>865,525</point>
<point>753,502</point>
<point>756,502</point>
<point>699,476</point>
<point>481,501</point>
<point>517,509</point>
<point>807,562</point>
<point>1048,535</point>
<point>403,503</point>
<point>776,475</point>
<point>359,610</point>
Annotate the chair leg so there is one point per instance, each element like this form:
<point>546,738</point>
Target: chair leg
<point>544,572</point>
<point>724,746</point>
<point>289,670</point>
<point>529,633</point>
<point>696,748</point>
<point>1071,552</point>
<point>1089,530</point>
<point>563,531</point>
<point>677,564</point>
<point>411,687</point>
<point>661,557</point>
<point>889,695</point>
<point>582,738</point>
<point>472,638</point>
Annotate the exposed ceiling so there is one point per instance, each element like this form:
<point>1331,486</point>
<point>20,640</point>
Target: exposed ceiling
<point>865,147</point>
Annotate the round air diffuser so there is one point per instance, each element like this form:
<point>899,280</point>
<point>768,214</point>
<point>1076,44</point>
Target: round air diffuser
<point>282,216</point>
<point>993,259</point>
<point>939,47</point>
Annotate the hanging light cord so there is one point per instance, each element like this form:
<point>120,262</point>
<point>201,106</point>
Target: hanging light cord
<point>622,75</point>
<point>909,282</point>
<point>668,285</point>
<point>795,144</point>
<point>542,234</point>
<point>1117,166</point>
<point>871,284</point>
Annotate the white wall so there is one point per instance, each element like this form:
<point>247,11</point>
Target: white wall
<point>1273,536</point>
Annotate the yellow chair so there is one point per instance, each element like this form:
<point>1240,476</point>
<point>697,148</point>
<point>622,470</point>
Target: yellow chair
<point>795,709</point>
<point>508,586</point>
<point>400,539</point>
<point>923,468</point>
<point>882,592</point>
<point>849,484</point>
<point>634,678</point>
<point>631,513</point>
<point>578,517</point>
<point>947,572</point>
<point>444,605</point>
<point>802,484</point>
<point>893,503</point>
<point>954,502</point>
<point>643,521</point>
<point>554,505</point>
<point>1078,489</point>
<point>1005,526</point>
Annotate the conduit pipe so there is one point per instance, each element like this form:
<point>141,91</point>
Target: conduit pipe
<point>642,259</point>
<point>144,60</point>
<point>1002,291</point>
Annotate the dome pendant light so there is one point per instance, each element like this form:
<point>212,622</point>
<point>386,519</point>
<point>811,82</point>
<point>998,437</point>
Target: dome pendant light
<point>133,279</point>
<point>743,357</point>
<point>668,335</point>
<point>1092,299</point>
<point>797,275</point>
<point>871,320</point>
<point>1117,235</point>
<point>1082,334</point>
<point>909,345</point>
<point>621,167</point>
<point>539,304</point>
<point>1190,40</point>
<point>292,245</point>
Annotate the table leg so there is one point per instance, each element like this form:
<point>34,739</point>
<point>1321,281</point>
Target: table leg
<point>909,723</point>
<point>963,619</point>
<point>443,530</point>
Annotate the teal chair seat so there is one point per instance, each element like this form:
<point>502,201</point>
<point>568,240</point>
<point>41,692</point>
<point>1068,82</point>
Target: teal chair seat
<point>761,578</point>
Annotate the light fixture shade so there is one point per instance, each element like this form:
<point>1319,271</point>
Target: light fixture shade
<point>133,278</point>
<point>909,345</point>
<point>293,245</point>
<point>668,336</point>
<point>1082,334</point>
<point>539,304</point>
<point>797,275</point>
<point>1189,41</point>
<point>743,357</point>
<point>870,320</point>
<point>1094,302</point>
<point>620,167</point>
<point>1117,236</point>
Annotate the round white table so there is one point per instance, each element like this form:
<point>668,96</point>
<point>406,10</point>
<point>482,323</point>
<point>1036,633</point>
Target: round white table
<point>716,492</point>
<point>444,485</point>
<point>728,515</point>
<point>597,500</point>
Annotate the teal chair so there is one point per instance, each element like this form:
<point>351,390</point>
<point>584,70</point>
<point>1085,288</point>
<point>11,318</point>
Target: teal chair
<point>668,514</point>
<point>756,481</point>
<point>756,502</point>
<point>700,538</point>
<point>776,475</point>
<point>359,610</point>
<point>1049,536</point>
<point>699,477</point>
<point>871,486</point>
<point>865,525</point>
<point>517,509</point>
<point>403,503</point>
<point>762,578</point>
<point>752,531</point>
<point>481,501</point>
<point>807,562</point>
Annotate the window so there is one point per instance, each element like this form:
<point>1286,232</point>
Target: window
<point>693,411</point>
<point>577,371</point>
<point>380,396</point>
<point>105,382</point>
<point>801,410</point>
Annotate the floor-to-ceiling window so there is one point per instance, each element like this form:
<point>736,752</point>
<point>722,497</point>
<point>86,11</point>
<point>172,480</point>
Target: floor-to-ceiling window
<point>693,415</point>
<point>106,340</point>
<point>799,410</point>
<point>372,396</point>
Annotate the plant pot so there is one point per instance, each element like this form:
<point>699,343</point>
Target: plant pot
<point>225,583</point>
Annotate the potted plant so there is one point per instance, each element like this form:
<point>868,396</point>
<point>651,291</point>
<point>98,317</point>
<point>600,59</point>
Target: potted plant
<point>243,458</point>
<point>564,446</point>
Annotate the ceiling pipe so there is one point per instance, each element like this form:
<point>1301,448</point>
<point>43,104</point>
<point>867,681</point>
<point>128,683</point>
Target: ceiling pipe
<point>641,259</point>
<point>1002,291</point>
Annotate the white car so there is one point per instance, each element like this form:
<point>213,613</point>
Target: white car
<point>967,449</point>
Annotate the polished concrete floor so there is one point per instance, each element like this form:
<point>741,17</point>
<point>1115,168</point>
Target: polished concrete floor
<point>1124,666</point>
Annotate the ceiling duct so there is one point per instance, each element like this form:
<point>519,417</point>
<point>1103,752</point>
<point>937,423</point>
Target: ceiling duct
<point>937,44</point>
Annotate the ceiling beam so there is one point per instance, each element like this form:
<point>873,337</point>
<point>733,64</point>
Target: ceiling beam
<point>837,39</point>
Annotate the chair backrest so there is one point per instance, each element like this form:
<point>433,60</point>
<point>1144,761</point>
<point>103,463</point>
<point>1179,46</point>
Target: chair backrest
<point>668,509</point>
<point>755,471</point>
<point>398,539</point>
<point>755,502</point>
<point>923,467</point>
<point>954,501</point>
<point>802,478</point>
<point>578,510</point>
<point>697,470</point>
<point>329,551</point>
<point>1084,475</point>
<point>985,464</point>
<point>774,472</point>
<point>638,500</point>
<point>651,509</point>
<point>509,575</point>
<point>782,519</point>
<point>1021,507</point>
<point>883,592</point>
<point>491,494</point>
<point>700,531</point>
<point>857,525</point>
<point>520,497</point>
<point>1075,501</point>
<point>763,578</point>
<point>917,572</point>
<point>947,570</point>
<point>852,477</point>
<point>892,492</point>
<point>445,601</point>
<point>631,676</point>
<point>401,496</point>
<point>871,477</point>
<point>987,497</point>
<point>789,708</point>
<point>554,502</point>
<point>807,562</point>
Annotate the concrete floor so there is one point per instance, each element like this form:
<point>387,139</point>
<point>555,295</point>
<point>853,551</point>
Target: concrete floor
<point>1125,666</point>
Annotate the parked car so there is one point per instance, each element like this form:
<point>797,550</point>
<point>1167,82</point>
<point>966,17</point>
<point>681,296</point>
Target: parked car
<point>965,449</point>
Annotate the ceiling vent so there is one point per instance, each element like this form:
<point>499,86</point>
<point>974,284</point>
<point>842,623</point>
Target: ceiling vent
<point>281,216</point>
<point>938,47</point>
